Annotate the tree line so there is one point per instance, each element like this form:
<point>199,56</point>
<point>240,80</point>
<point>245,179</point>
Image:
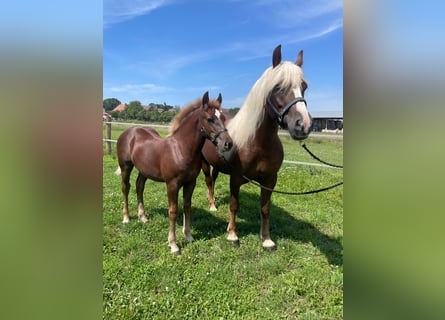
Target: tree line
<point>153,112</point>
<point>134,110</point>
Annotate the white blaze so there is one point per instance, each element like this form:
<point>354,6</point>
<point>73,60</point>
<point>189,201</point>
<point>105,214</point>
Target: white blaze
<point>301,108</point>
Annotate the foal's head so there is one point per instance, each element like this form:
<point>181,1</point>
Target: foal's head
<point>286,101</point>
<point>212,126</point>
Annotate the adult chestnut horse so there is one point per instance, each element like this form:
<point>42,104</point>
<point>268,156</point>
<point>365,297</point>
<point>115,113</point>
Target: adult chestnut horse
<point>175,160</point>
<point>276,99</point>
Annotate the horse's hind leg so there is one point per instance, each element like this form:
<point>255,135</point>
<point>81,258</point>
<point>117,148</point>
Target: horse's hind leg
<point>187,203</point>
<point>140,186</point>
<point>125,174</point>
<point>234,205</point>
<point>210,184</point>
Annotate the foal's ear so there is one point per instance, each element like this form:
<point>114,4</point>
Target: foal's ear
<point>219,99</point>
<point>299,61</point>
<point>205,98</point>
<point>276,57</point>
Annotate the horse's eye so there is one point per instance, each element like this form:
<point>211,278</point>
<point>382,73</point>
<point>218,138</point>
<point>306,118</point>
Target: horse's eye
<point>210,120</point>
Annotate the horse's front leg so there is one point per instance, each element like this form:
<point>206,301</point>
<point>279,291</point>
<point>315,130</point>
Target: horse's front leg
<point>265,209</point>
<point>234,205</point>
<point>172,193</point>
<point>187,192</point>
<point>210,185</point>
<point>140,186</point>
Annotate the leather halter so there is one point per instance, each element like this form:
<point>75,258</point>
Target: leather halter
<point>207,135</point>
<point>280,115</point>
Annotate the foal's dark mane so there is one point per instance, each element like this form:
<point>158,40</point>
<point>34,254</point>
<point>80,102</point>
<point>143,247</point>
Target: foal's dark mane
<point>186,111</point>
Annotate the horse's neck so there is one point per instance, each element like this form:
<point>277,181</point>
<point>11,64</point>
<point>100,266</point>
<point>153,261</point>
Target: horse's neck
<point>189,135</point>
<point>267,131</point>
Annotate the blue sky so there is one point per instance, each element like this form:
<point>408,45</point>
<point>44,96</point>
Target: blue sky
<point>174,50</point>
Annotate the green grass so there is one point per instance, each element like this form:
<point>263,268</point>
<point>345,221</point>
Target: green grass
<point>302,279</point>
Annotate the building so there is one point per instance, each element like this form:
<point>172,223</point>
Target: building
<point>120,107</point>
<point>327,121</point>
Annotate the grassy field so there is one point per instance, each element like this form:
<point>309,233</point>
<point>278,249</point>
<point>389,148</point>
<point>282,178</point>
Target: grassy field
<point>302,279</point>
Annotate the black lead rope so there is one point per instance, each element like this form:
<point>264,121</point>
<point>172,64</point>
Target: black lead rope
<point>317,158</point>
<point>288,192</point>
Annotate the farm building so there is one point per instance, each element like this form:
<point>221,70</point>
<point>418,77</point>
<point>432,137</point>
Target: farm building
<point>120,107</point>
<point>330,121</point>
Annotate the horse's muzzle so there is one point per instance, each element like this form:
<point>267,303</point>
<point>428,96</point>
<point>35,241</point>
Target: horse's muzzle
<point>223,142</point>
<point>299,130</point>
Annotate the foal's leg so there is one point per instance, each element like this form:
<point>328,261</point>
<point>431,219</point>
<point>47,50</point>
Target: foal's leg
<point>125,174</point>
<point>265,209</point>
<point>210,185</point>
<point>234,205</point>
<point>140,186</point>
<point>187,191</point>
<point>215,174</point>
<point>172,193</point>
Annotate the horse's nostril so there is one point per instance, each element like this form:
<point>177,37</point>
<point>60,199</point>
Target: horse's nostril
<point>228,145</point>
<point>298,123</point>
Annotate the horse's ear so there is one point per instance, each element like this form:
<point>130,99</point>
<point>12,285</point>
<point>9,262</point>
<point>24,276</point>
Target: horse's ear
<point>276,57</point>
<point>299,61</point>
<point>219,99</point>
<point>205,98</point>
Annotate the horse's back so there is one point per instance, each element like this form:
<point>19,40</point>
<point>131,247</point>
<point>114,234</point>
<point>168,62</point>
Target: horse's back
<point>132,137</point>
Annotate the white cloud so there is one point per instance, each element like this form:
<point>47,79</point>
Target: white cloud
<point>115,11</point>
<point>148,92</point>
<point>291,13</point>
<point>136,89</point>
<point>334,25</point>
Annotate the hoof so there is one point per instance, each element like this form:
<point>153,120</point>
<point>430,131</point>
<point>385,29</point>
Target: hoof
<point>143,219</point>
<point>269,245</point>
<point>126,220</point>
<point>176,251</point>
<point>235,243</point>
<point>213,208</point>
<point>270,249</point>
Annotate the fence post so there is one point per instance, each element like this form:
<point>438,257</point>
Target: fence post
<point>108,124</point>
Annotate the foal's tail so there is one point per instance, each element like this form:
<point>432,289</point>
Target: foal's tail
<point>118,171</point>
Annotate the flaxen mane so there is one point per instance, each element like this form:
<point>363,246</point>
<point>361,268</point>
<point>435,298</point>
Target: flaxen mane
<point>244,125</point>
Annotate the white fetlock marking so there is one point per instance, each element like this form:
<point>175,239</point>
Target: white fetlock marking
<point>174,248</point>
<point>268,243</point>
<point>126,220</point>
<point>232,237</point>
<point>188,235</point>
<point>143,218</point>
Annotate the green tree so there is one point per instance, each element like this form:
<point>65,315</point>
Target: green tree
<point>233,111</point>
<point>133,108</point>
<point>110,103</point>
